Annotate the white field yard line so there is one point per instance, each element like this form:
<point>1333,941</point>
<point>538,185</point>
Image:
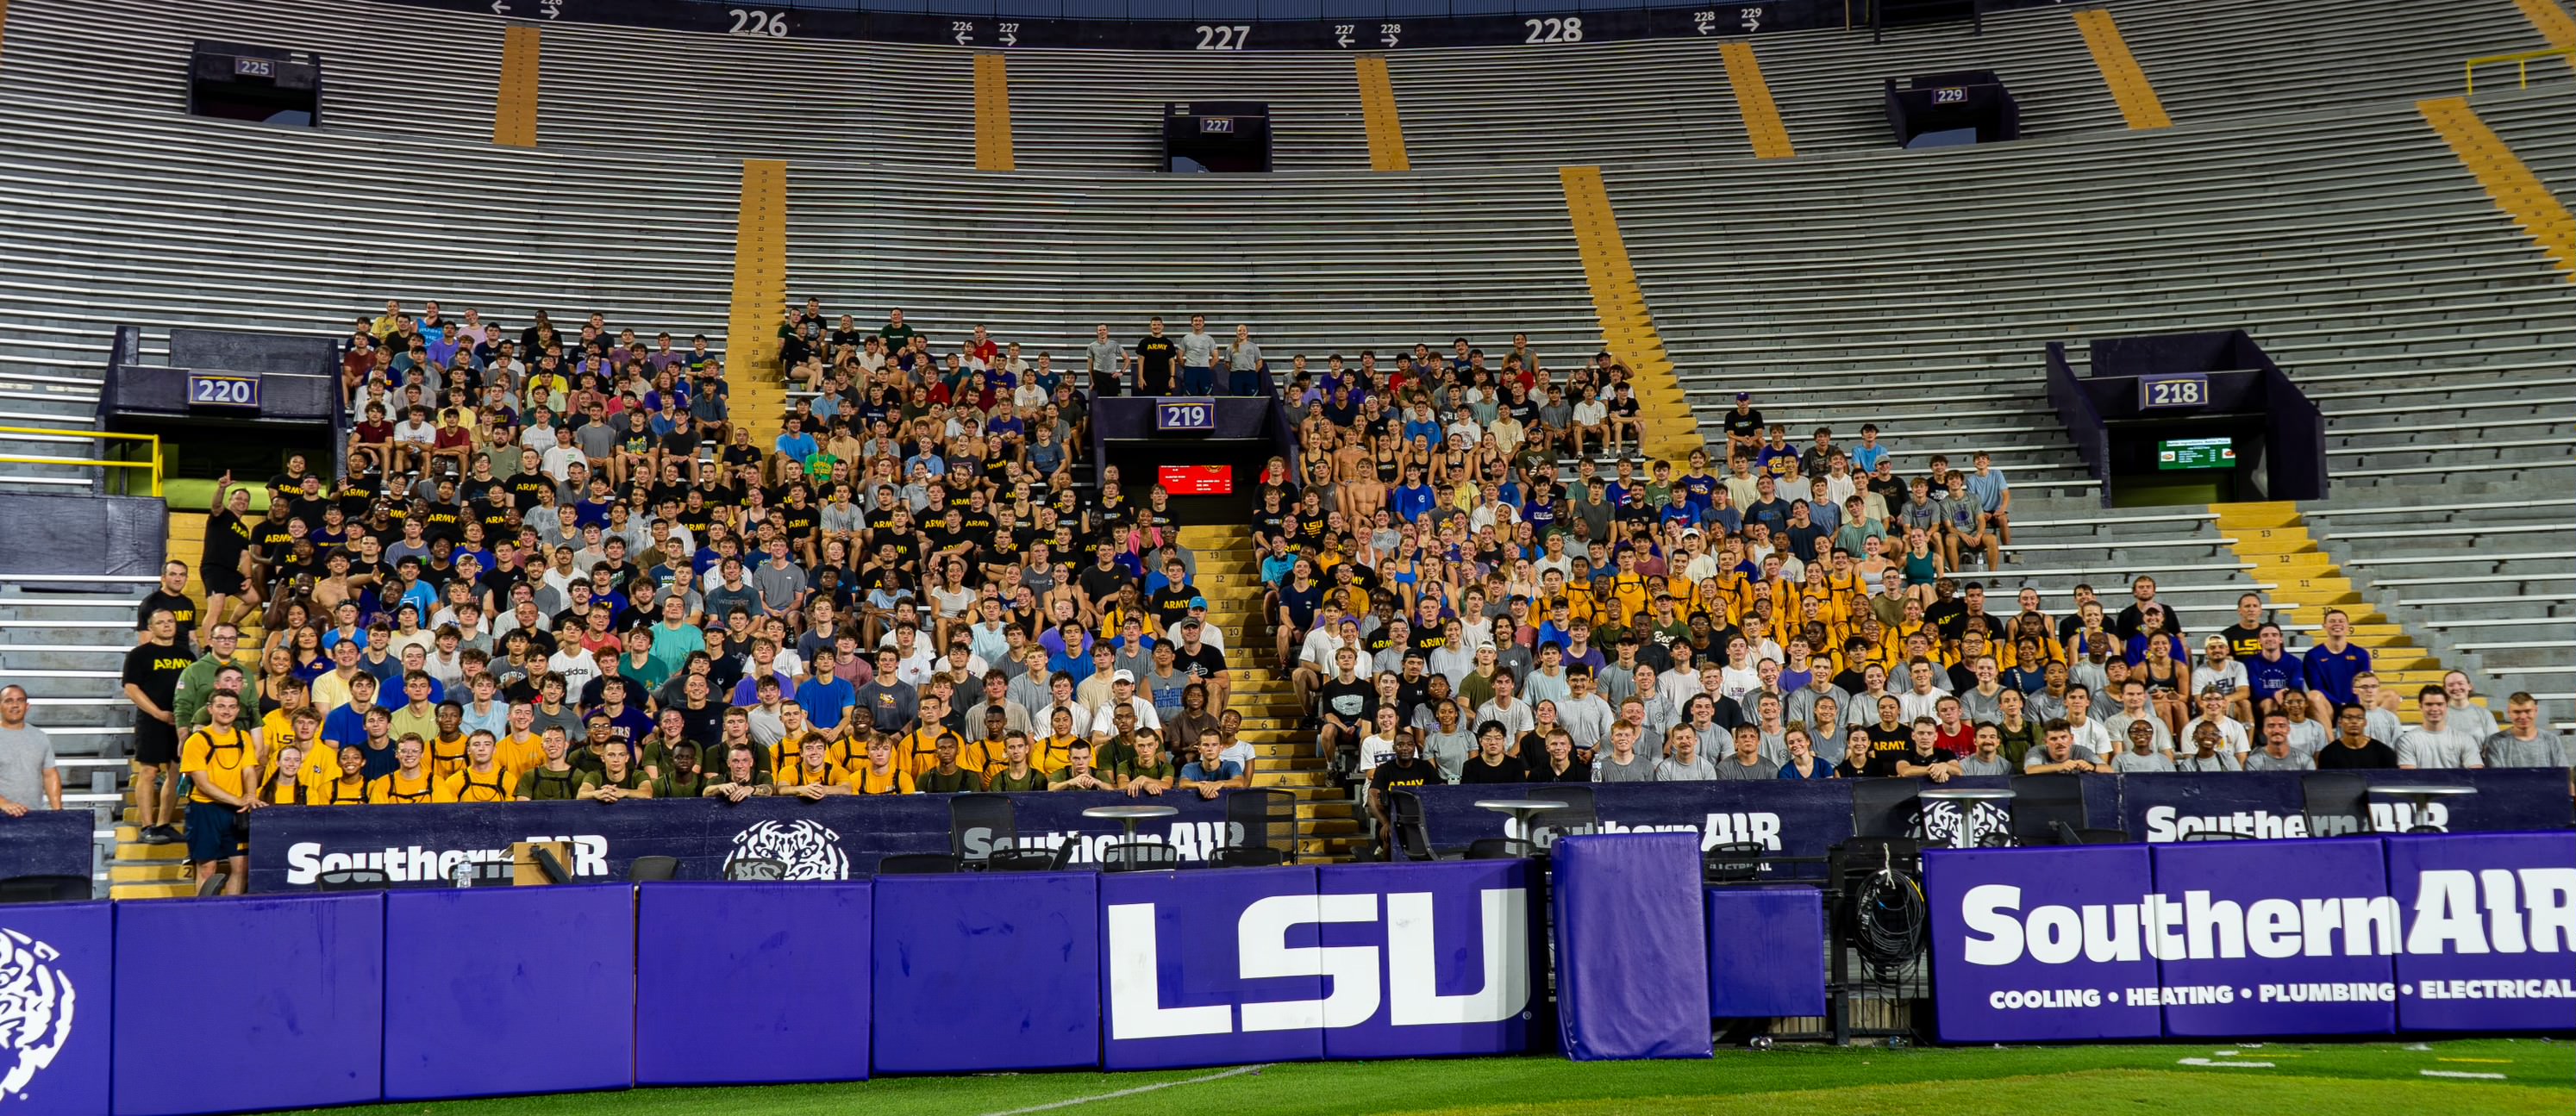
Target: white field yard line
<point>2462,1073</point>
<point>1050,1106</point>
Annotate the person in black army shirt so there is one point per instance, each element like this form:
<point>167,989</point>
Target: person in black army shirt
<point>1408,770</point>
<point>151,680</point>
<point>1155,356</point>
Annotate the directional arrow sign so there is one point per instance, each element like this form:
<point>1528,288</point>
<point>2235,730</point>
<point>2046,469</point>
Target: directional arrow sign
<point>1343,39</point>
<point>1009,39</point>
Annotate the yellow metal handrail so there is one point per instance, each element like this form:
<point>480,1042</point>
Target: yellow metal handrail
<point>149,444</point>
<point>2521,65</point>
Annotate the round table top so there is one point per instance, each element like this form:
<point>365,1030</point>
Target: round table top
<point>1130,813</point>
<point>1966,794</point>
<point>2423,790</point>
<point>1515,805</point>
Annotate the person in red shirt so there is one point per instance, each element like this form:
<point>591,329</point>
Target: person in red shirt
<point>1953,734</point>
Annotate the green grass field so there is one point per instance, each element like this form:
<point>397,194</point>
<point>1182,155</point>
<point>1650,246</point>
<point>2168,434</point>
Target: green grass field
<point>2503,1077</point>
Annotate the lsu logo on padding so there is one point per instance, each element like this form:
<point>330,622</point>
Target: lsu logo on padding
<point>1366,982</point>
<point>809,849</point>
<point>36,1007</point>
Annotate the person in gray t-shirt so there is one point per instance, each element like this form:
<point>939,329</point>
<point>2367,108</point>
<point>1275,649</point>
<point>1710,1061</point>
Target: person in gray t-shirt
<point>1103,357</point>
<point>2523,743</point>
<point>1198,359</point>
<point>2142,755</point>
<point>29,780</point>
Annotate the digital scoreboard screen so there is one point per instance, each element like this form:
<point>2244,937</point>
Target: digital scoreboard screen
<point>1196,480</point>
<point>2196,453</point>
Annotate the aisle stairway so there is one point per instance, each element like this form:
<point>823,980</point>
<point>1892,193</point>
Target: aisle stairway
<point>138,870</point>
<point>2274,536</point>
<point>1229,576</point>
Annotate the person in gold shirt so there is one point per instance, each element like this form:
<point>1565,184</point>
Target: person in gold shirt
<point>919,751</point>
<point>284,779</point>
<point>947,777</point>
<point>521,749</point>
<point>880,775</point>
<point>790,749</point>
<point>347,785</point>
<point>409,782</point>
<point>222,765</point>
<point>292,694</point>
<point>985,756</point>
<point>480,778</point>
<point>1053,750</point>
<point>447,747</point>
<point>812,776</point>
<point>1016,774</point>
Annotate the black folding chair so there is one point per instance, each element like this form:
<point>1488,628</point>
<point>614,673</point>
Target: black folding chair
<point>1412,834</point>
<point>918,864</point>
<point>1263,823</point>
<point>1496,848</point>
<point>2336,803</point>
<point>1138,856</point>
<point>1578,816</point>
<point>993,826</point>
<point>653,869</point>
<point>550,864</point>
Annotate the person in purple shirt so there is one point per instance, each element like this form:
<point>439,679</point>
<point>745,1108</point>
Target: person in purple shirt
<point>2335,661</point>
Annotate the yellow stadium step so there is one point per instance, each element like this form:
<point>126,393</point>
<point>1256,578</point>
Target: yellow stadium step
<point>1628,331</point>
<point>2129,86</point>
<point>2552,21</point>
<point>1377,112</point>
<point>2274,537</point>
<point>993,114</point>
<point>2509,183</point>
<point>759,298</point>
<point>127,891</point>
<point>1762,124</point>
<point>514,106</point>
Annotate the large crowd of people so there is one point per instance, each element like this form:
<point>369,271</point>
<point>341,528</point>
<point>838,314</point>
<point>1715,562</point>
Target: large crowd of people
<point>557,565</point>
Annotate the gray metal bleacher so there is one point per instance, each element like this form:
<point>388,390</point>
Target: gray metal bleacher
<point>2211,59</point>
<point>1316,264</point>
<point>2489,582</point>
<point>2350,244</point>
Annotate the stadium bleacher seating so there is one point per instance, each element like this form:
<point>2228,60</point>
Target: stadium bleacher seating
<point>2299,196</point>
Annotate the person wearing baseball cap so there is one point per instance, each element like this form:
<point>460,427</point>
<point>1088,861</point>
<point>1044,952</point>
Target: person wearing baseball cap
<point>1743,426</point>
<point>1122,689</point>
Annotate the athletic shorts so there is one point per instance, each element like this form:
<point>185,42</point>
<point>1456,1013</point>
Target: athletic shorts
<point>155,742</point>
<point>214,832</point>
<point>221,582</point>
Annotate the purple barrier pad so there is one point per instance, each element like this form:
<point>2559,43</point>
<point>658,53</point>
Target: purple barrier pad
<point>1631,947</point>
<point>509,990</point>
<point>987,971</point>
<point>287,1003</point>
<point>741,983</point>
<point>1186,964</point>
<point>1455,936</point>
<point>1766,952</point>
<point>2254,951</point>
<point>2010,961</point>
<point>2488,937</point>
<point>58,963</point>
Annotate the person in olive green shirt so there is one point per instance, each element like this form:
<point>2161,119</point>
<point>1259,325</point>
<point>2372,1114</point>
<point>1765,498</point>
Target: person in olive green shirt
<point>1149,772</point>
<point>947,777</point>
<point>680,775</point>
<point>616,779</point>
<point>554,779</point>
<point>742,778</point>
<point>1079,774</point>
<point>197,682</point>
<point>1016,774</point>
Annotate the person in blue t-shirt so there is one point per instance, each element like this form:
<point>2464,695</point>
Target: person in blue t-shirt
<point>826,698</point>
<point>2334,662</point>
